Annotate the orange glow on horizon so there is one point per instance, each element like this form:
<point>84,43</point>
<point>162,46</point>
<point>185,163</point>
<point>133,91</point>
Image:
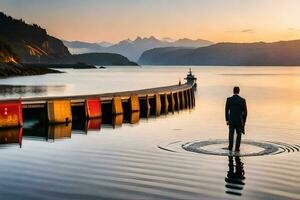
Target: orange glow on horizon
<point>116,20</point>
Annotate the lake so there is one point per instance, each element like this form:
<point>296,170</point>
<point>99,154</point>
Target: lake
<point>147,159</point>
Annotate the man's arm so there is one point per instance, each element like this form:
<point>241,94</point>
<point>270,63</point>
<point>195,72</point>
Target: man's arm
<point>245,111</point>
<point>227,111</point>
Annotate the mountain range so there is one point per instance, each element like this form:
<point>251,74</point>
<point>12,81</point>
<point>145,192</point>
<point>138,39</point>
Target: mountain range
<point>283,53</point>
<point>133,49</point>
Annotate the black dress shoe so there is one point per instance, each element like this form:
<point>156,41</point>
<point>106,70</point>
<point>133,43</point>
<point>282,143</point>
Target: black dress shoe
<point>237,150</point>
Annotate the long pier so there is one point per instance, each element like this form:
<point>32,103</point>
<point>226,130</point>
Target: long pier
<point>79,100</point>
<point>65,109</point>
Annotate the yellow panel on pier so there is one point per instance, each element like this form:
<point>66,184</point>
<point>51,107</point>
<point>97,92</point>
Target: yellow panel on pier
<point>59,111</point>
<point>117,107</point>
<point>117,120</point>
<point>134,117</point>
<point>59,131</point>
<point>134,103</point>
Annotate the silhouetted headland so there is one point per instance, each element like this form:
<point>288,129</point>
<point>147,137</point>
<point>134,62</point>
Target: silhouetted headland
<point>34,48</point>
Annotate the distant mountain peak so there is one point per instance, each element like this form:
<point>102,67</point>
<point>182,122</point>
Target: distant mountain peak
<point>124,42</point>
<point>138,38</point>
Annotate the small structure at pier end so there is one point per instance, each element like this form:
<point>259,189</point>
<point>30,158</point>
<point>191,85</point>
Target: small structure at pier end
<point>191,78</point>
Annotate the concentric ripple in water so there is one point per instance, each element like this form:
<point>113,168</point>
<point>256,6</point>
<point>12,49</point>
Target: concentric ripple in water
<point>219,148</point>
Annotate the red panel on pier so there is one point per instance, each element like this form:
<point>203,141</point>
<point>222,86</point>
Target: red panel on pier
<point>93,108</point>
<point>11,113</point>
<point>94,124</point>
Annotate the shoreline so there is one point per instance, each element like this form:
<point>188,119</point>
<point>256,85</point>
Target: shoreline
<point>13,70</point>
<point>60,66</point>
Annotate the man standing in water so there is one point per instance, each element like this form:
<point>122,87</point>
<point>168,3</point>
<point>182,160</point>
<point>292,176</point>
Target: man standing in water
<point>235,114</point>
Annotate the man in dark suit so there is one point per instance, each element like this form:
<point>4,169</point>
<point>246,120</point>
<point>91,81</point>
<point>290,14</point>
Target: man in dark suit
<point>236,115</point>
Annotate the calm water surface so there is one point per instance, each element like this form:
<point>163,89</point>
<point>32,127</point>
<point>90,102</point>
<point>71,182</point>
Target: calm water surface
<point>82,161</point>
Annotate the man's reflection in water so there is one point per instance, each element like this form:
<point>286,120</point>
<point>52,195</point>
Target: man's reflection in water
<point>235,176</point>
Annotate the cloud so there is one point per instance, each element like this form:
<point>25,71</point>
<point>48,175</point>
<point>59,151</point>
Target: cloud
<point>247,31</point>
<point>241,31</point>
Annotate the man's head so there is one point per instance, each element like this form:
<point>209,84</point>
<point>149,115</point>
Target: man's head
<point>236,90</point>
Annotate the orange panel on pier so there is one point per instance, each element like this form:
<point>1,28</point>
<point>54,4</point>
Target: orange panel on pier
<point>117,107</point>
<point>134,117</point>
<point>117,120</point>
<point>134,103</point>
<point>93,108</point>
<point>11,114</point>
<point>59,111</point>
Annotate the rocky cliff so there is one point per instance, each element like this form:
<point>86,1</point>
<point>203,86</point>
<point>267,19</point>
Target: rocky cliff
<point>30,42</point>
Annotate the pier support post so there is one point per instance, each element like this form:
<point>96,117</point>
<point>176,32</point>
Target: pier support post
<point>186,98</point>
<point>134,103</point>
<point>156,102</point>
<point>190,98</point>
<point>11,114</point>
<point>93,108</point>
<point>59,111</point>
<point>148,106</point>
<point>171,101</point>
<point>182,100</point>
<point>193,97</point>
<point>177,101</point>
<point>145,106</point>
<point>117,107</point>
<point>165,103</point>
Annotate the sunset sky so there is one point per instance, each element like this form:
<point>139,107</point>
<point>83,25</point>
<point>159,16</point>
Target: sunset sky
<point>115,20</point>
